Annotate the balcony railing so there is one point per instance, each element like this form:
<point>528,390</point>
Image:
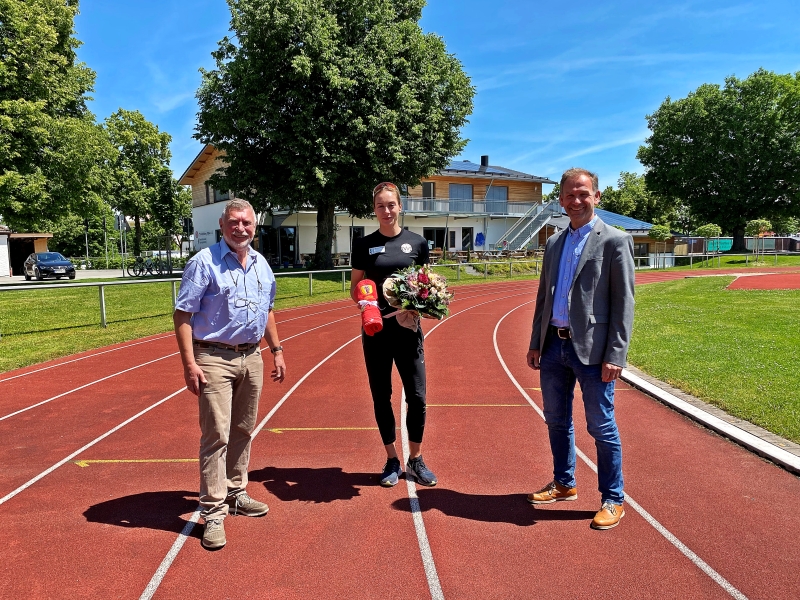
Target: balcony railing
<point>455,205</point>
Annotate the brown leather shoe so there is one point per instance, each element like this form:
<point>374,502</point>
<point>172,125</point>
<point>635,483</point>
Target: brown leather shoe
<point>553,492</point>
<point>608,516</point>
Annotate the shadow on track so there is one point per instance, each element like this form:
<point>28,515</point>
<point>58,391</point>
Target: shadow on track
<point>509,508</point>
<point>151,510</point>
<point>313,485</point>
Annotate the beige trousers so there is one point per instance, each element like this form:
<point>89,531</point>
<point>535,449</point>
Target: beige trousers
<point>228,412</point>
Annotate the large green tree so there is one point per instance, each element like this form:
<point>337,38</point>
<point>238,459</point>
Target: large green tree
<point>314,102</point>
<point>53,157</point>
<point>142,178</point>
<point>731,153</point>
<point>633,199</point>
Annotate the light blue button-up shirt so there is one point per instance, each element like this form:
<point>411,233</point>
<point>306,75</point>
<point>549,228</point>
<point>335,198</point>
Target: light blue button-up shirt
<point>228,303</point>
<point>570,255</point>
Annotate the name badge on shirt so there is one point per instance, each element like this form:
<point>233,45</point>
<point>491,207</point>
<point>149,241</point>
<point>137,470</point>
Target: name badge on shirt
<point>377,250</point>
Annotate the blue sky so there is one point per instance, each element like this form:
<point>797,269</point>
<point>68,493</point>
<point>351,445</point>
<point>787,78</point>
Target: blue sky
<point>558,84</point>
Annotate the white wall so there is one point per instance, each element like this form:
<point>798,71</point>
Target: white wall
<point>206,222</point>
<point>5,269</point>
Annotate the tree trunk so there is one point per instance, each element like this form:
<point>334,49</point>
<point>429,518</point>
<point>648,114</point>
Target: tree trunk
<point>322,255</point>
<point>738,241</point>
<point>137,239</point>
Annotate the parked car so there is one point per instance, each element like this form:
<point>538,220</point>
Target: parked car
<point>48,264</point>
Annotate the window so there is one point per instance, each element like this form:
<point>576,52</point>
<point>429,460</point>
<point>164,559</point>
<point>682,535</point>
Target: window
<point>435,236</point>
<point>208,193</point>
<point>429,189</point>
<point>460,197</point>
<point>641,249</point>
<point>221,196</point>
<point>356,233</point>
<point>496,198</point>
<point>466,238</point>
<point>452,240</point>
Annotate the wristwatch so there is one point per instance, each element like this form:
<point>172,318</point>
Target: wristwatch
<point>276,349</point>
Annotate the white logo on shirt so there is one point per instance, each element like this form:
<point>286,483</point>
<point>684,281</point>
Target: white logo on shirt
<point>406,248</point>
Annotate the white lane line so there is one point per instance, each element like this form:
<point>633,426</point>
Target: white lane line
<point>22,410</point>
<point>319,327</point>
<point>685,550</point>
<point>66,362</point>
<point>161,572</point>
<point>65,460</point>
<point>428,564</point>
<point>434,585</point>
<point>155,581</point>
<point>348,305</point>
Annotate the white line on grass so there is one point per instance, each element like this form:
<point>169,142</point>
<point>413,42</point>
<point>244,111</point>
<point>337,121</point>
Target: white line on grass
<point>685,550</point>
<point>161,572</point>
<point>66,362</point>
<point>46,472</point>
<point>22,410</point>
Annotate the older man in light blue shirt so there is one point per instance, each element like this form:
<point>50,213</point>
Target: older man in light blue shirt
<point>223,310</point>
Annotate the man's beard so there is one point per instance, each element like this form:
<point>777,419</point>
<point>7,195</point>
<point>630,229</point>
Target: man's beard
<point>238,243</point>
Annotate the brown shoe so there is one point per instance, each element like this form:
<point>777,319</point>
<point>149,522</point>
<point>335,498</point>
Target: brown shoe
<point>553,492</point>
<point>213,535</point>
<point>608,516</point>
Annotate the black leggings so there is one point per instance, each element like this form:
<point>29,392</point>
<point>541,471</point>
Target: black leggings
<point>395,343</point>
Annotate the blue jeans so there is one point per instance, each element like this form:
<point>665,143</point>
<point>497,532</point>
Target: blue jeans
<point>560,369</point>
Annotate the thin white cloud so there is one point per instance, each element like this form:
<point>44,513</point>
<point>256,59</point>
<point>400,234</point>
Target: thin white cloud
<point>635,139</point>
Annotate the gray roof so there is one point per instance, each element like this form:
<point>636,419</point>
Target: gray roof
<point>470,169</point>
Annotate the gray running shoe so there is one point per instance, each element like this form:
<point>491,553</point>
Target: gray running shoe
<point>417,470</point>
<point>242,504</point>
<point>391,472</point>
<point>214,535</point>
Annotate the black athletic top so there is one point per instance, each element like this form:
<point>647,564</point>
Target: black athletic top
<point>380,257</point>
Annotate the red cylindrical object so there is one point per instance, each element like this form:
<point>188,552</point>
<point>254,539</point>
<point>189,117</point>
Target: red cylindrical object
<point>371,319</point>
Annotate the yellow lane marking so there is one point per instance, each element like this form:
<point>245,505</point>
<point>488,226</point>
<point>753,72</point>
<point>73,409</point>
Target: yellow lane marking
<point>86,463</point>
<point>282,429</point>
<point>477,405</point>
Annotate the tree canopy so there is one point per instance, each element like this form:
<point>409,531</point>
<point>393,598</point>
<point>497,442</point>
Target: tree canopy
<point>314,102</point>
<point>633,199</point>
<point>731,153</point>
<point>142,182</point>
<point>52,154</point>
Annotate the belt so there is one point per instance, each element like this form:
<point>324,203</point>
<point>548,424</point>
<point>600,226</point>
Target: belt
<point>236,348</point>
<point>563,333</point>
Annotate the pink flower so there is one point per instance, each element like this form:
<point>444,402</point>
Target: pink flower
<point>423,278</point>
<point>423,293</point>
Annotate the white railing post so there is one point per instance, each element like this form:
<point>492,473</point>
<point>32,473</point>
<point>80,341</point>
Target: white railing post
<point>310,284</point>
<point>174,295</point>
<point>102,305</point>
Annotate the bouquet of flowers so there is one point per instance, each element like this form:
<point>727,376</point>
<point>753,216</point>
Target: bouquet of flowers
<point>418,289</point>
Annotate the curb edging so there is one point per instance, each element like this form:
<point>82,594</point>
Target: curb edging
<point>754,443</point>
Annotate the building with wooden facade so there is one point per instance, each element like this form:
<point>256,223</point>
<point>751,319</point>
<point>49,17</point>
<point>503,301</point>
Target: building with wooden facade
<point>467,206</point>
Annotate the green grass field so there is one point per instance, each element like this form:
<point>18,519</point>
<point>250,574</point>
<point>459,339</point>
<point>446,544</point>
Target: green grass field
<point>736,349</point>
<point>736,262</point>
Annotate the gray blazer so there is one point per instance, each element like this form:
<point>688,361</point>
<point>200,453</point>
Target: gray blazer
<point>600,297</point>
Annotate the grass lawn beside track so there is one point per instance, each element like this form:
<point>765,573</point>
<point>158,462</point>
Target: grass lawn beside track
<point>41,325</point>
<point>736,349</point>
<point>725,261</point>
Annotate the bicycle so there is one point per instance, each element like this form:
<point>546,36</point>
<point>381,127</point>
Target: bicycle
<point>145,266</point>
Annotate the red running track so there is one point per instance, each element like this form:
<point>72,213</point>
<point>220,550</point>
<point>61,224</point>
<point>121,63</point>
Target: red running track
<point>113,529</point>
<point>770,281</point>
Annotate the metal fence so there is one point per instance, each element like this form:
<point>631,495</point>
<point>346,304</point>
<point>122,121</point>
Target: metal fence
<point>484,269</point>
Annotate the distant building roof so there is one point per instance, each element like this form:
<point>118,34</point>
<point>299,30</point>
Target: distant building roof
<point>630,224</point>
<point>465,168</point>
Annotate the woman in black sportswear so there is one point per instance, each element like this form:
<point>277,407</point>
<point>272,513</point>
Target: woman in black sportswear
<point>378,256</point>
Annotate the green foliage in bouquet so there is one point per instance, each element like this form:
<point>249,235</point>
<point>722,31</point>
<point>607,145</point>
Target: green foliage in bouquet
<point>419,289</point>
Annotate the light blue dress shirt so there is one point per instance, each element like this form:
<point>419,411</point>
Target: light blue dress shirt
<point>570,255</point>
<point>228,303</point>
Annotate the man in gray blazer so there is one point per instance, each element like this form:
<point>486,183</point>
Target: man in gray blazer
<point>581,330</point>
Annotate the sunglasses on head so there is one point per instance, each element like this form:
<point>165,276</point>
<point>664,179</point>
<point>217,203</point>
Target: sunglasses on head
<point>386,185</point>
